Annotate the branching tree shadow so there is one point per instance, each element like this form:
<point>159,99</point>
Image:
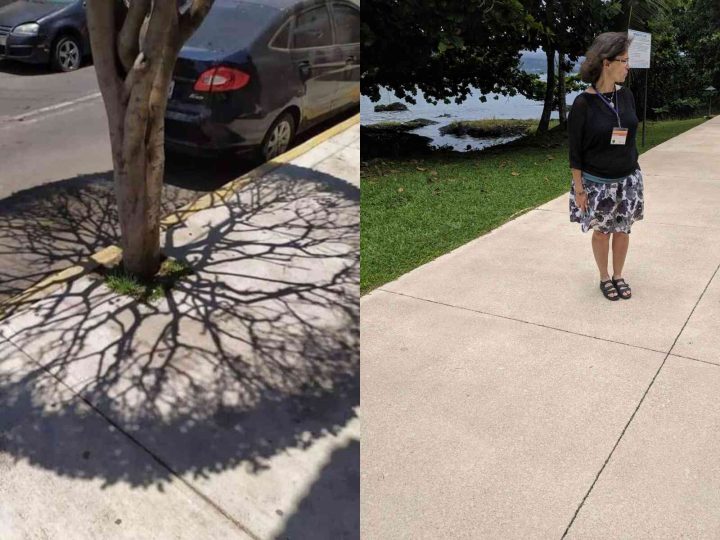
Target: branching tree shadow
<point>51,227</point>
<point>257,352</point>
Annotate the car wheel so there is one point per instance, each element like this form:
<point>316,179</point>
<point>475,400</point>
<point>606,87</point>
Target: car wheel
<point>66,54</point>
<point>279,137</point>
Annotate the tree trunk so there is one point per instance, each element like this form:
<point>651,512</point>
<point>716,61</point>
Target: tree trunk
<point>562,95</point>
<point>549,89</point>
<point>135,49</point>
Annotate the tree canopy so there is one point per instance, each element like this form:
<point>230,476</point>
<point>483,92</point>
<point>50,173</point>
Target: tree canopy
<point>443,48</point>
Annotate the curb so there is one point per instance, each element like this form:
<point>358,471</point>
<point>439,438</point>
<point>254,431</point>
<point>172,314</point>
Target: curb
<point>112,254</point>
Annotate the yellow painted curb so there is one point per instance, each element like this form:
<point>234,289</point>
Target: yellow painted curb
<point>225,192</point>
<point>112,254</point>
<point>107,256</point>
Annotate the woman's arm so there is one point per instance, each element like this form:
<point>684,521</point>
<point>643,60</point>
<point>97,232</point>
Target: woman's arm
<point>576,128</point>
<point>577,180</point>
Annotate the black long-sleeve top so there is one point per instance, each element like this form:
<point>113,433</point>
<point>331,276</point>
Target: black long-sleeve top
<point>590,126</point>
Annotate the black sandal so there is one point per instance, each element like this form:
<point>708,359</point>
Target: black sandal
<point>607,288</point>
<point>623,288</point>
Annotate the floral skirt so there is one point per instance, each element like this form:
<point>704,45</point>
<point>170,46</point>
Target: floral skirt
<point>611,207</point>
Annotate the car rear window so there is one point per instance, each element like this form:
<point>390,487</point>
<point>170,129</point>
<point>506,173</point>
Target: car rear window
<point>232,25</point>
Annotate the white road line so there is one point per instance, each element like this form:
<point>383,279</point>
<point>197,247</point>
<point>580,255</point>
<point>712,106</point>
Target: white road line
<point>51,108</point>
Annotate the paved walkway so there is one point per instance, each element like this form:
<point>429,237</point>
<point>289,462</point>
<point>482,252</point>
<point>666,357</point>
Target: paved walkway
<point>504,397</point>
<point>227,410</point>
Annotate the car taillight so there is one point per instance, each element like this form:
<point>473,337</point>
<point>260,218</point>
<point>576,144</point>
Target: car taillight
<point>221,79</point>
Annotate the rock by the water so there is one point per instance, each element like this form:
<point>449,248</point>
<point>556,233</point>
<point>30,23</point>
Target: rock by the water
<point>393,107</point>
<point>398,127</point>
<point>483,129</point>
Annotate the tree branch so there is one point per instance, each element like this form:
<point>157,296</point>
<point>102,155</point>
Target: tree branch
<point>193,17</point>
<point>129,36</point>
<point>163,18</point>
<point>138,67</point>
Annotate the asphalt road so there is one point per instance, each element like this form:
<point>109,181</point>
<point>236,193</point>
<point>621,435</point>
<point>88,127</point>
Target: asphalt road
<point>56,196</point>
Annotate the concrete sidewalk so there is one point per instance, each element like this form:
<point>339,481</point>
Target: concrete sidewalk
<point>504,397</point>
<point>227,410</point>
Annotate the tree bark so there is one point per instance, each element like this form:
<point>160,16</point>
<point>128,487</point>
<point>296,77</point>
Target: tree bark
<point>562,96</point>
<point>135,49</point>
<point>549,89</point>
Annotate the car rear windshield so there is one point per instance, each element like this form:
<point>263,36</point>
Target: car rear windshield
<point>232,25</point>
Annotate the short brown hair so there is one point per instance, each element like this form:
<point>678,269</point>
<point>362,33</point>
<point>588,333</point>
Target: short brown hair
<point>605,46</point>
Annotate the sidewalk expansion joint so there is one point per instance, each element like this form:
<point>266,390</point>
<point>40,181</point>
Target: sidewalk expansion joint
<point>157,459</point>
<point>637,408</point>
<point>525,322</point>
<point>717,364</point>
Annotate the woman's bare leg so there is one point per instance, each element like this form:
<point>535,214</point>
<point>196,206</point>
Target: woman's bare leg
<point>620,244</point>
<point>601,249</point>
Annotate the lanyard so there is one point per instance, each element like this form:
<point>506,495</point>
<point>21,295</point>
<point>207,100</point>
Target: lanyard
<point>609,104</point>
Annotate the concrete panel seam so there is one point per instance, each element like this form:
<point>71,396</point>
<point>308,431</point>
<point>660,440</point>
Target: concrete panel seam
<point>524,322</point>
<point>695,359</point>
<point>215,506</point>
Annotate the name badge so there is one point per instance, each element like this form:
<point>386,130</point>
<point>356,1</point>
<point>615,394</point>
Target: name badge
<point>619,135</point>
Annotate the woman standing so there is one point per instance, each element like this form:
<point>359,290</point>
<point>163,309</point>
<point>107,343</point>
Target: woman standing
<point>607,187</point>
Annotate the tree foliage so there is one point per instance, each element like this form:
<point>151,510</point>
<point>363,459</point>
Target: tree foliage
<point>443,48</point>
<point>699,35</point>
<point>685,41</point>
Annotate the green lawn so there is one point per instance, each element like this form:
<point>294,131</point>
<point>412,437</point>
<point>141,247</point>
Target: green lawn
<point>418,209</point>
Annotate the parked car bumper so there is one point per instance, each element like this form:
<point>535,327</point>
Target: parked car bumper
<point>30,49</point>
<point>201,134</point>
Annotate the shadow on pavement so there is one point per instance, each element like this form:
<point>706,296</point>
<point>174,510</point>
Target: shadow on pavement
<point>48,228</point>
<point>322,514</point>
<point>257,352</point>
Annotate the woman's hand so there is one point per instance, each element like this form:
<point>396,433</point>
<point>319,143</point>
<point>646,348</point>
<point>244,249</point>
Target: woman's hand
<point>581,199</point>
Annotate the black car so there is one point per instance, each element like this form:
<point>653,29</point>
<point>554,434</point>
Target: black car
<point>45,31</point>
<point>258,72</point>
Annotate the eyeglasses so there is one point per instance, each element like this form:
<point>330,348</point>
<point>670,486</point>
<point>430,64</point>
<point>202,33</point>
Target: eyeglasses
<point>625,61</point>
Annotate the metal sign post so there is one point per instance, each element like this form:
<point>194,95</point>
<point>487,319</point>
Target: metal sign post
<point>639,54</point>
<point>710,90</point>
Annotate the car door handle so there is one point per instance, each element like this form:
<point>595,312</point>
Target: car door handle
<point>305,70</point>
<point>350,60</point>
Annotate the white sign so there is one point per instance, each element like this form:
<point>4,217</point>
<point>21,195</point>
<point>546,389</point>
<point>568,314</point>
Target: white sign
<point>639,51</point>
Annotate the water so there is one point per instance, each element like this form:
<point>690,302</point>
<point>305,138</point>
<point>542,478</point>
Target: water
<point>471,109</point>
<point>445,113</point>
